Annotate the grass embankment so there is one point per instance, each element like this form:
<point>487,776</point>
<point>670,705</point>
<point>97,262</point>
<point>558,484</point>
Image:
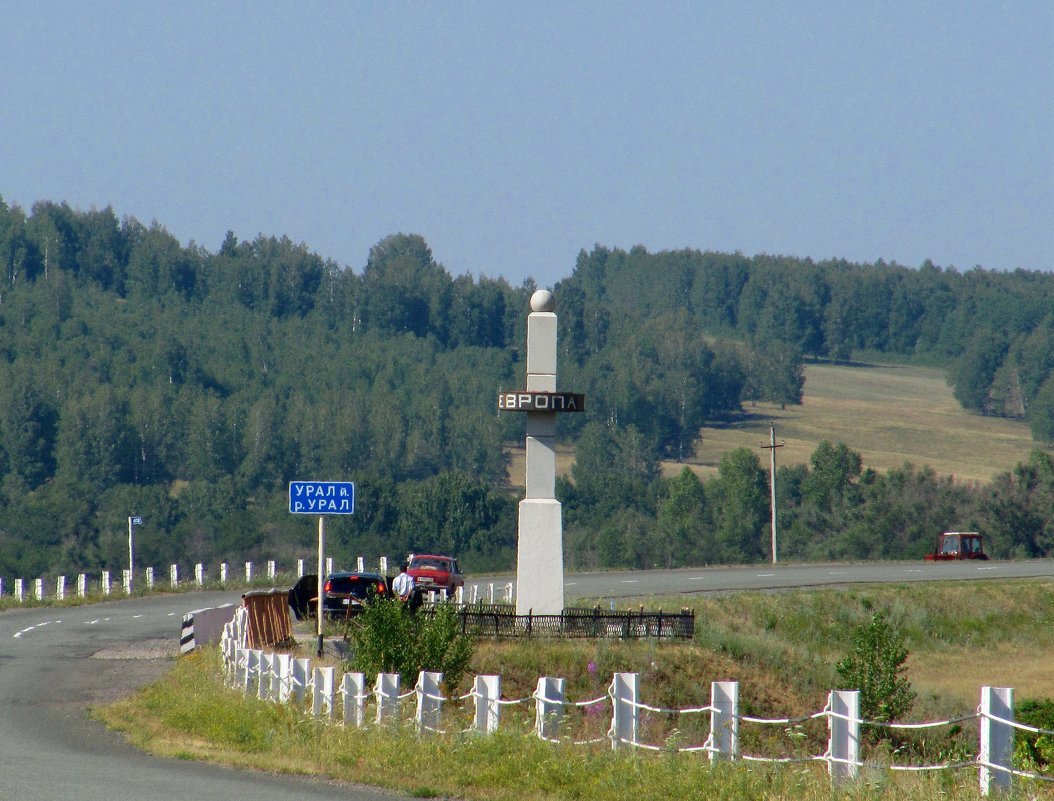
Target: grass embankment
<point>780,647</point>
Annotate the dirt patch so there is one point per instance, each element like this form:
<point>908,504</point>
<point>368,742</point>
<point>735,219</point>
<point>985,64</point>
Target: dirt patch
<point>163,648</point>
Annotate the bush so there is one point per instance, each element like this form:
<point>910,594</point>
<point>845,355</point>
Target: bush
<point>390,638</point>
<point>875,667</point>
<point>1031,750</point>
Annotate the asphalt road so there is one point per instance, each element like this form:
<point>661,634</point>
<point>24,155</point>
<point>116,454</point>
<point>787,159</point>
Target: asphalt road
<point>55,662</point>
<point>770,577</point>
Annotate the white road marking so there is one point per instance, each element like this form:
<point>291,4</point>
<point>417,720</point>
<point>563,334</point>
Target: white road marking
<point>697,578</point>
<point>18,634</point>
<point>764,575</point>
<point>631,581</point>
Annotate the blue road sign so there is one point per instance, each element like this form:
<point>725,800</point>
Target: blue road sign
<point>321,497</point>
<point>137,521</point>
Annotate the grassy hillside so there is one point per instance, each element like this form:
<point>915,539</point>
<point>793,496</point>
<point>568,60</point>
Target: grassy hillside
<point>890,414</point>
<point>780,647</point>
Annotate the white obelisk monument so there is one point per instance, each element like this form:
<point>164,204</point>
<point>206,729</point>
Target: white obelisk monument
<point>540,554</point>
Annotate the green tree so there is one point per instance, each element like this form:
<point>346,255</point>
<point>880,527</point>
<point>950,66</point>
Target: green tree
<point>389,638</point>
<point>683,532</point>
<point>1041,412</point>
<point>876,666</point>
<point>740,503</point>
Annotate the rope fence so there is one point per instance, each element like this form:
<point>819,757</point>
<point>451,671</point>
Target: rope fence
<point>282,679</point>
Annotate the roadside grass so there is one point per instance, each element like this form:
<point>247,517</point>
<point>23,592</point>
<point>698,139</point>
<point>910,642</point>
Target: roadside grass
<point>781,647</point>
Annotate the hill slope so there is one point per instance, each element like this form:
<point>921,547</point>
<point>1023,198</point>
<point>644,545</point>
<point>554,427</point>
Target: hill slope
<point>890,414</point>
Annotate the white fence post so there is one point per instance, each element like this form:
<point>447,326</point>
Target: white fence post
<point>284,669</point>
<point>360,564</point>
<point>173,576</point>
<point>106,582</point>
<point>60,588</point>
<point>429,701</point>
<point>82,585</point>
<point>487,691</point>
<point>490,595</point>
<point>383,565</point>
<point>241,668</point>
<point>843,721</point>
<point>625,714</point>
<point>329,565</point>
<point>270,569</point>
<point>548,707</point>
<point>150,577</point>
<point>299,568</point>
<point>301,679</point>
<point>353,691</point>
<point>38,589</point>
<point>459,596</point>
<point>20,590</point>
<point>997,739</point>
<point>508,593</point>
<point>223,572</point>
<point>386,690</point>
<point>322,692</point>
<point>475,593</point>
<point>199,574</point>
<point>248,572</point>
<point>266,674</point>
<point>126,581</point>
<point>252,670</point>
<point>724,720</point>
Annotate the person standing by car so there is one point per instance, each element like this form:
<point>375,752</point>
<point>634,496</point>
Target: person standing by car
<point>403,585</point>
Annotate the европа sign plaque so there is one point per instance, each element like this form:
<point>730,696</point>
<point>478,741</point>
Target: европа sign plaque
<point>525,401</point>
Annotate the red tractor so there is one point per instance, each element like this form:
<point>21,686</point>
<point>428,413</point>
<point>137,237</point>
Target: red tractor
<point>952,545</point>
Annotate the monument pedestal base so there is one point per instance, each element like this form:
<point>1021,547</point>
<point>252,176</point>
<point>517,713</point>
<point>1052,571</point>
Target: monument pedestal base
<point>540,558</point>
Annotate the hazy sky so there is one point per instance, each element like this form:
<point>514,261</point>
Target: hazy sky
<point>513,135</point>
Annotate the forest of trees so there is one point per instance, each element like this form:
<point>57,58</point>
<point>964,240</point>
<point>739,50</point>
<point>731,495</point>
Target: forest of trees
<point>141,376</point>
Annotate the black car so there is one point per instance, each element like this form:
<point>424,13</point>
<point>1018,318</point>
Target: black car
<point>346,593</point>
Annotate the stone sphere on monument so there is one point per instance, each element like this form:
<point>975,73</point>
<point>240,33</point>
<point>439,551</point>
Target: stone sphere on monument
<point>543,301</point>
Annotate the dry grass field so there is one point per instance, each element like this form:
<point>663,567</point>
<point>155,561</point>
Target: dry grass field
<point>890,414</point>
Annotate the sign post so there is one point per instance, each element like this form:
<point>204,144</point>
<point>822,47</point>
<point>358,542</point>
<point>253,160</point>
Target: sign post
<point>321,498</point>
<point>132,523</point>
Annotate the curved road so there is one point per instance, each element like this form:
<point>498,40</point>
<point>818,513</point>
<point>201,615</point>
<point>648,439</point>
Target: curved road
<point>54,662</point>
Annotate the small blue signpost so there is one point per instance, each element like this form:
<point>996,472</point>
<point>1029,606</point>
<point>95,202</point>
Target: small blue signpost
<point>321,498</point>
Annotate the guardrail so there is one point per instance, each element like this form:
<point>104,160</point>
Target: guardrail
<point>282,678</point>
<point>108,582</point>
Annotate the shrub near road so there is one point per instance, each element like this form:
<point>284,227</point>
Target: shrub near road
<point>782,648</point>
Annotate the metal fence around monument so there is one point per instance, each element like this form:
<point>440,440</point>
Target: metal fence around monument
<point>500,620</point>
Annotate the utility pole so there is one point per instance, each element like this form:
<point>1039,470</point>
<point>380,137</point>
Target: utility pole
<point>771,447</point>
